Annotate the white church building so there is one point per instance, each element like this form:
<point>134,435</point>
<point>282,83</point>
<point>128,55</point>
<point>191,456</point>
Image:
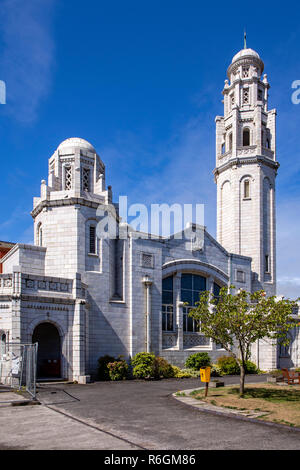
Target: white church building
<point>81,296</point>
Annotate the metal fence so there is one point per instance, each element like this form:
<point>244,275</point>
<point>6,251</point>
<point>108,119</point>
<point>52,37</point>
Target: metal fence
<point>18,367</point>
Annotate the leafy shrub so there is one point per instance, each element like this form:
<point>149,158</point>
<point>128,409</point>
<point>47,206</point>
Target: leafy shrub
<point>162,368</point>
<point>192,372</point>
<point>198,360</point>
<point>251,368</point>
<point>146,365</point>
<point>216,371</point>
<point>143,365</point>
<point>228,365</point>
<point>118,370</point>
<point>103,361</point>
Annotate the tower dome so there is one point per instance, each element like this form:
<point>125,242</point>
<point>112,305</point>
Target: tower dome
<point>245,53</point>
<point>245,57</point>
<point>76,142</point>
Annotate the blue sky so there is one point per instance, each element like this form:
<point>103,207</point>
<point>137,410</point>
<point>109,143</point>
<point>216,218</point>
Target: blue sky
<point>142,81</point>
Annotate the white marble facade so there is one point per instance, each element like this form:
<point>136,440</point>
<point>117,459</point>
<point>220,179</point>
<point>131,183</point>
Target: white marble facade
<point>122,296</point>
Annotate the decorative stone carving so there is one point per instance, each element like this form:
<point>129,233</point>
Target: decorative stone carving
<point>42,285</point>
<point>169,340</point>
<point>29,283</point>
<point>194,340</point>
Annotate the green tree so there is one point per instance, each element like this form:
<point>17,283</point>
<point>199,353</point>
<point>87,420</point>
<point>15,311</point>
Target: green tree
<point>237,320</point>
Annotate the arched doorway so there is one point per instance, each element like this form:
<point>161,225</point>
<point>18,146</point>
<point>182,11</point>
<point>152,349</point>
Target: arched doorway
<point>49,350</point>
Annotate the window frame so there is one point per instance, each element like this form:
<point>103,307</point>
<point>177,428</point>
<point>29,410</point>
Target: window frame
<point>90,252</point>
<point>246,189</point>
<point>165,315</point>
<point>246,131</point>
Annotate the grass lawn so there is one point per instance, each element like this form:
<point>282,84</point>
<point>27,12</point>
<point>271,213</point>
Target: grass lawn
<point>282,402</point>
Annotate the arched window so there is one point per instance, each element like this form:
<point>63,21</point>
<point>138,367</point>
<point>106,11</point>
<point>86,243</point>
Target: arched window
<point>230,141</point>
<point>3,345</point>
<point>92,240</point>
<point>268,143</point>
<point>223,149</point>
<point>246,137</point>
<point>267,263</point>
<point>40,235</point>
<point>246,189</point>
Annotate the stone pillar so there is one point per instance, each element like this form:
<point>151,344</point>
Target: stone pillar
<point>16,320</point>
<point>178,310</point>
<point>79,334</point>
<point>148,283</point>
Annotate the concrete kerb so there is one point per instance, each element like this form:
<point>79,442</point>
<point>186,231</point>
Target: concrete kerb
<point>8,398</point>
<point>222,412</point>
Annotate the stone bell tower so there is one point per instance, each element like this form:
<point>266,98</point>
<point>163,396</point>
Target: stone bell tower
<point>246,169</point>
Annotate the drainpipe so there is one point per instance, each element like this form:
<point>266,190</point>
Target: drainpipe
<point>148,283</point>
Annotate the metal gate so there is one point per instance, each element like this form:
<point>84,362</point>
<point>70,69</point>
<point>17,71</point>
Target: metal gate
<point>18,367</point>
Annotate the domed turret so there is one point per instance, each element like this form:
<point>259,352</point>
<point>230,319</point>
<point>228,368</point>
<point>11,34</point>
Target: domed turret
<point>76,142</point>
<point>245,63</point>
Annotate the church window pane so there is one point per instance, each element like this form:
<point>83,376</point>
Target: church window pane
<point>189,324</point>
<point>246,138</point>
<point>167,317</point>
<point>245,72</point>
<point>216,290</point>
<point>230,141</point>
<point>246,189</point>
<point>92,240</point>
<point>167,290</point>
<point>246,96</point>
<point>267,264</point>
<point>85,179</point>
<point>191,287</point>
<point>3,345</point>
<point>259,95</point>
<point>68,178</point>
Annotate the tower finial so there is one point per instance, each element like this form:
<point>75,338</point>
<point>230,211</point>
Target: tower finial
<point>245,39</point>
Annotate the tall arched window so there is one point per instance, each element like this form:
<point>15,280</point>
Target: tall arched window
<point>2,345</point>
<point>246,137</point>
<point>92,240</point>
<point>40,234</point>
<point>230,141</point>
<point>246,189</point>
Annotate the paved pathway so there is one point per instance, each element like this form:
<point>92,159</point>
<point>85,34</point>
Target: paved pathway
<point>146,414</point>
<point>131,415</point>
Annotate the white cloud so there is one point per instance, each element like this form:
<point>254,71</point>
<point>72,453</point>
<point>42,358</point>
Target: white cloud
<point>27,55</point>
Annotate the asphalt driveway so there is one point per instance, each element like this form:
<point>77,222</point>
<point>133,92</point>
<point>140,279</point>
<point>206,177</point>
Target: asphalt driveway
<point>145,415</point>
